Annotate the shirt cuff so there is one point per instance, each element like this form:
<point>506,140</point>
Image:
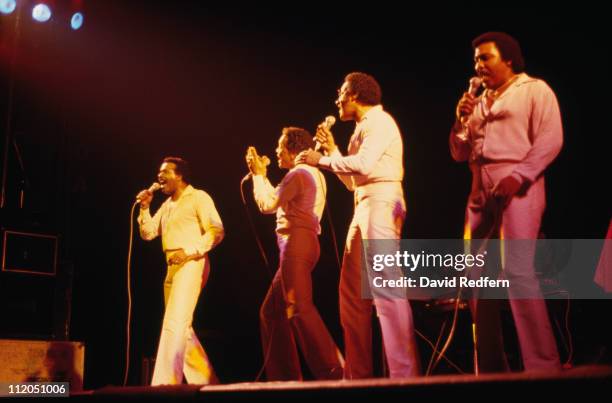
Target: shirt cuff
<point>325,162</point>
<point>259,179</point>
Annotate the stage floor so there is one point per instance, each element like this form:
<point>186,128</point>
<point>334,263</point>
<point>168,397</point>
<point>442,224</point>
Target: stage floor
<point>592,381</point>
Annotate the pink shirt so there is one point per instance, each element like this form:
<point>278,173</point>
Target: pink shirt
<point>375,152</point>
<point>522,126</point>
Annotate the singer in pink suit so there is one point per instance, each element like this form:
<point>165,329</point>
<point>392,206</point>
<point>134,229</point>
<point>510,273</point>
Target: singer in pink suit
<point>288,316</point>
<point>190,227</point>
<point>509,135</point>
<point>373,170</point>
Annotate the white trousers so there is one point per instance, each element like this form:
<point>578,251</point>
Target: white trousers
<point>519,220</point>
<point>180,352</point>
<point>379,214</point>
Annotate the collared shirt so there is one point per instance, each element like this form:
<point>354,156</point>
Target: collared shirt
<point>375,152</point>
<point>522,126</point>
<point>298,200</point>
<point>191,223</point>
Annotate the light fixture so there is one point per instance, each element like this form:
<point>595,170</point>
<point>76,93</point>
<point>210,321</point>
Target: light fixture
<point>76,21</point>
<point>41,12</point>
<point>7,6</point>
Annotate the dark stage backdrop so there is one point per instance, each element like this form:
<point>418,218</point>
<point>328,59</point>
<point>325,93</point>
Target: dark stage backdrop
<point>95,111</point>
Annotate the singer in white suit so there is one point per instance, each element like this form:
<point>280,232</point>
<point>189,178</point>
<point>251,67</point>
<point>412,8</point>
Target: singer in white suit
<point>190,227</point>
<point>288,315</point>
<point>509,135</point>
<point>373,170</point>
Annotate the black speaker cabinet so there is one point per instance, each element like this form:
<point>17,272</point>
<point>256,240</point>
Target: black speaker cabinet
<point>34,292</point>
<point>28,252</point>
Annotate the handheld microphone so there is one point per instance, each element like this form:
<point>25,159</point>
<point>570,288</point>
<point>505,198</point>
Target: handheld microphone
<point>328,123</point>
<point>263,159</point>
<point>152,189</point>
<point>475,83</point>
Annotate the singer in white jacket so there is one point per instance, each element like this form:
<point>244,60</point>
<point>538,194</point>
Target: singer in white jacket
<point>190,227</point>
<point>288,315</point>
<point>508,135</point>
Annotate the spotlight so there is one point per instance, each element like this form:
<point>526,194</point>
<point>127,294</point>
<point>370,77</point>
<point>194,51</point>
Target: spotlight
<point>7,6</point>
<point>76,21</point>
<point>41,12</point>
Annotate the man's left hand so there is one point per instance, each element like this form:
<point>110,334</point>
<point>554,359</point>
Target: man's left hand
<point>179,257</point>
<point>507,188</point>
<point>309,157</point>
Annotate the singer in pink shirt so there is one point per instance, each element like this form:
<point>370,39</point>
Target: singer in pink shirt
<point>190,227</point>
<point>508,135</point>
<point>288,315</point>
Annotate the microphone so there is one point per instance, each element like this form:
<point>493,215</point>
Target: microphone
<point>328,123</point>
<point>475,83</point>
<point>264,160</point>
<point>152,189</point>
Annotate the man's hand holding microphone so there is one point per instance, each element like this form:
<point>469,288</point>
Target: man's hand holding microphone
<point>258,165</point>
<point>467,103</point>
<point>324,140</point>
<point>145,196</point>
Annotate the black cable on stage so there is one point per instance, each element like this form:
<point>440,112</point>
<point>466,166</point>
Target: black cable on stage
<point>332,228</point>
<point>252,225</point>
<point>498,209</point>
<point>435,349</point>
<point>268,269</point>
<point>129,294</point>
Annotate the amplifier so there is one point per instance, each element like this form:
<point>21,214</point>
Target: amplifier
<point>42,361</point>
<point>28,252</point>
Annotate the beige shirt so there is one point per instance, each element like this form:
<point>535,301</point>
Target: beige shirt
<point>375,152</point>
<point>191,223</point>
<point>298,200</point>
<point>522,126</point>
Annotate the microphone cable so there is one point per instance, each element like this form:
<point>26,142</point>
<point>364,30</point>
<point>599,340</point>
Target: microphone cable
<point>329,122</point>
<point>263,255</point>
<point>252,225</point>
<point>435,349</point>
<point>451,334</point>
<point>330,222</point>
<point>128,334</point>
<point>497,224</point>
<point>129,295</point>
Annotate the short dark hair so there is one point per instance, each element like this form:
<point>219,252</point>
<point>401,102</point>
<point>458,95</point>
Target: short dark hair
<point>365,87</point>
<point>298,139</point>
<point>181,168</point>
<point>508,47</point>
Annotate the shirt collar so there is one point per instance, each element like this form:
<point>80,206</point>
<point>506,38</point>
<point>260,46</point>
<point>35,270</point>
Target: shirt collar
<point>523,78</point>
<point>188,190</point>
<point>372,111</point>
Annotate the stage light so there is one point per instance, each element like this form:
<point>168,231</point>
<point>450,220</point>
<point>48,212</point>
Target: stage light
<point>76,21</point>
<point>7,6</point>
<point>41,12</point>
